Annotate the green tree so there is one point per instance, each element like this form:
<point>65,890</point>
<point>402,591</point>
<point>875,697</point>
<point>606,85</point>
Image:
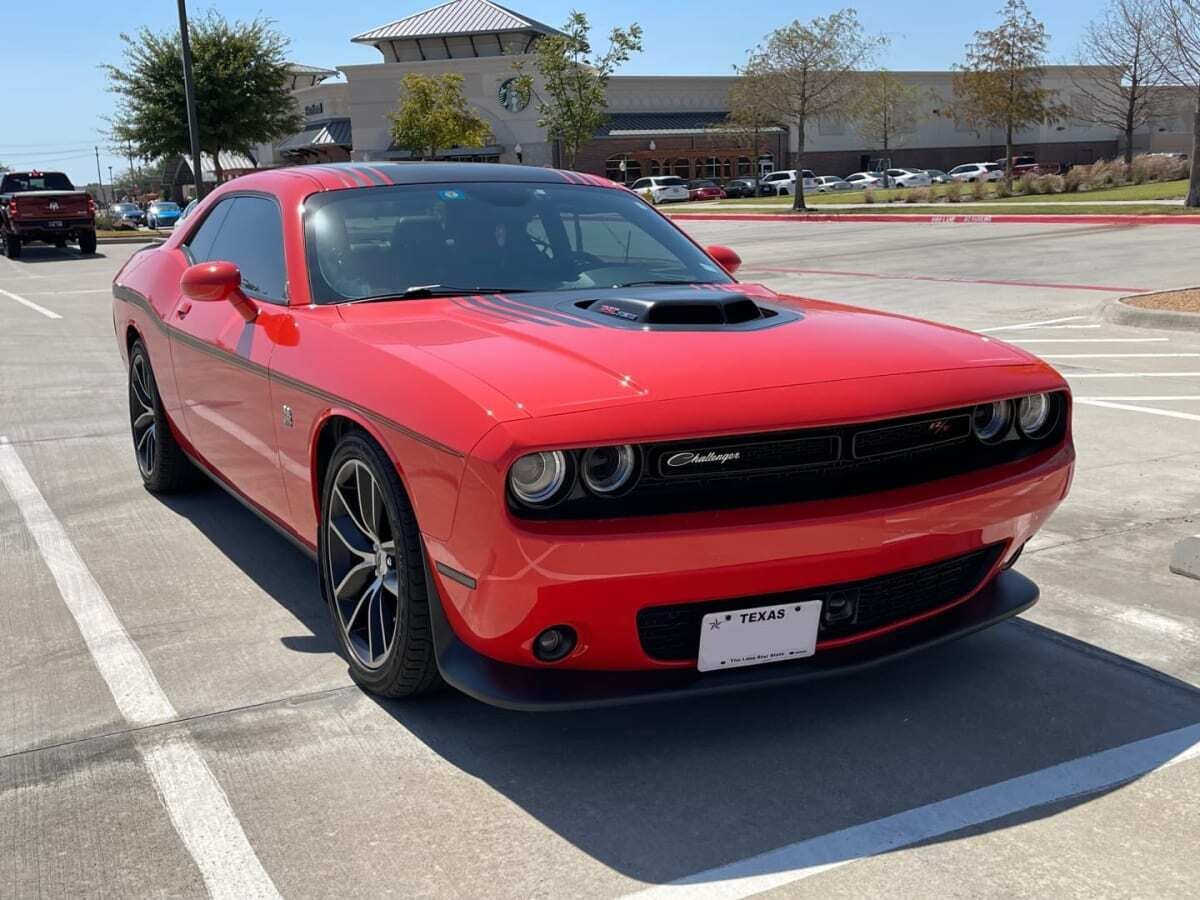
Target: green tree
<point>999,85</point>
<point>573,100</point>
<point>806,70</point>
<point>884,110</point>
<point>433,114</point>
<point>242,89</point>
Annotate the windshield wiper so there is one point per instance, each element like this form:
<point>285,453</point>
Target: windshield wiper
<point>422,291</point>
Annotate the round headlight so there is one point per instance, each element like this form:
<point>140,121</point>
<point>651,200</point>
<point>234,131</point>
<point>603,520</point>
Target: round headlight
<point>1035,415</point>
<point>991,421</point>
<point>537,477</point>
<point>606,470</point>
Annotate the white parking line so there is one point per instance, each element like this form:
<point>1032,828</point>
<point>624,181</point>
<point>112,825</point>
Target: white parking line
<point>1024,341</point>
<point>1031,324</point>
<point>1143,397</point>
<point>1151,410</point>
<point>1122,355</point>
<point>190,793</point>
<point>69,293</point>
<point>1074,375</point>
<point>49,314</point>
<point>804,859</point>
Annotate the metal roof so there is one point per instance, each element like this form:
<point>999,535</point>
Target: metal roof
<point>331,131</point>
<point>623,124</point>
<point>301,69</point>
<point>457,17</point>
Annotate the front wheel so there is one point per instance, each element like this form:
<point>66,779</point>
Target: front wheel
<point>373,572</point>
<point>164,467</point>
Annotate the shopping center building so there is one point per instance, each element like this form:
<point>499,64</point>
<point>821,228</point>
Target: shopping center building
<point>657,124</point>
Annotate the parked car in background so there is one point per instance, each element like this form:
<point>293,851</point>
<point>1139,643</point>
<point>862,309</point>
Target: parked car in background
<point>977,172</point>
<point>127,215</point>
<point>860,180</point>
<point>162,214</point>
<point>705,189</point>
<point>745,187</point>
<point>44,206</point>
<point>937,176</point>
<point>1027,165</point>
<point>906,178</point>
<point>827,184</point>
<point>662,189</point>
<point>187,211</point>
<point>784,181</point>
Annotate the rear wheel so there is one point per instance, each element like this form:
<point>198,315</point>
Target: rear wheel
<point>373,572</point>
<point>161,461</point>
<point>60,243</point>
<point>12,245</point>
<point>87,242</point>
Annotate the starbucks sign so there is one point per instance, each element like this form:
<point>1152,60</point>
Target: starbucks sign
<point>510,97</point>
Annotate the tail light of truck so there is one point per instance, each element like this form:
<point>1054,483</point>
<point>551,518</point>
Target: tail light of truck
<point>12,209</point>
<point>91,205</point>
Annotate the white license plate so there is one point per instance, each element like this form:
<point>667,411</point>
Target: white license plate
<point>54,225</point>
<point>766,634</point>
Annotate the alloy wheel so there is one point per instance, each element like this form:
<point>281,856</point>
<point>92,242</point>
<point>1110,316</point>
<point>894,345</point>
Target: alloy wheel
<point>362,564</point>
<point>145,426</point>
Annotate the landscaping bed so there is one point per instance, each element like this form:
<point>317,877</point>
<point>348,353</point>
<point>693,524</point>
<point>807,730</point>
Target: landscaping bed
<point>1186,301</point>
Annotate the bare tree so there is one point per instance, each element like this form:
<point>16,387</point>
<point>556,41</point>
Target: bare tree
<point>884,110</point>
<point>1128,39</point>
<point>1182,59</point>
<point>751,117</point>
<point>805,70</point>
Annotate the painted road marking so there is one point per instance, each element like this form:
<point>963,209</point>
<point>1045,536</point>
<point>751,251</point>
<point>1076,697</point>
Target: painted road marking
<point>190,793</point>
<point>946,279</point>
<point>1132,375</point>
<point>1122,355</point>
<point>804,859</point>
<point>48,313</point>
<point>1031,324</point>
<point>69,293</point>
<point>1151,410</point>
<point>1157,340</point>
<point>1144,397</point>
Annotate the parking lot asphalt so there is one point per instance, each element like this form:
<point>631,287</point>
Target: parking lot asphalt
<point>1057,753</point>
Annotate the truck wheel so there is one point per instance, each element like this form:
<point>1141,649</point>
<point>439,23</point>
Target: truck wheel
<point>87,242</point>
<point>60,243</point>
<point>12,246</point>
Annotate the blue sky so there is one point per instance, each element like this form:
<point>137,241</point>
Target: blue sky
<point>56,96</point>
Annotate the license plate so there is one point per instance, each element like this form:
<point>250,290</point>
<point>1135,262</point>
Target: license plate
<point>765,634</point>
<point>58,224</point>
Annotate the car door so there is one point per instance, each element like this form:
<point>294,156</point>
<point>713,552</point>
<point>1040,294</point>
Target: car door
<point>221,360</point>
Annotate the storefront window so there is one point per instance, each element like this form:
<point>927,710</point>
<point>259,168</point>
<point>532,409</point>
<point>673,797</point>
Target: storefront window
<point>683,168</point>
<point>622,169</point>
<point>744,167</point>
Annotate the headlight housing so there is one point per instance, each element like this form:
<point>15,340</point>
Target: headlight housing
<point>608,470</point>
<point>992,421</point>
<point>1037,415</point>
<point>538,479</point>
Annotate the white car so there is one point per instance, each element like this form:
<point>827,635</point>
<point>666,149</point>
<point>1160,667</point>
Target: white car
<point>977,172</point>
<point>784,181</point>
<point>907,178</point>
<point>662,188</point>
<point>827,184</point>
<point>860,180</point>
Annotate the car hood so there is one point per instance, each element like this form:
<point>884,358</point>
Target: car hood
<point>547,361</point>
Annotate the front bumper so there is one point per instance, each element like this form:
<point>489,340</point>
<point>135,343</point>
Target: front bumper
<point>545,689</point>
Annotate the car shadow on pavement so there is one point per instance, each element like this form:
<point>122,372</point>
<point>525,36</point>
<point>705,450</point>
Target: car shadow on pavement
<point>44,253</point>
<point>663,790</point>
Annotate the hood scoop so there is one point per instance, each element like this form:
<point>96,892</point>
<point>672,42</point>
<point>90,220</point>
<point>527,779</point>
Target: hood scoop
<point>691,310</point>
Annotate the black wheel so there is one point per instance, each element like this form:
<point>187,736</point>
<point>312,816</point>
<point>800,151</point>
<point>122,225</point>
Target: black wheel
<point>60,243</point>
<point>87,242</point>
<point>12,246</point>
<point>151,224</point>
<point>373,573</point>
<point>161,461</point>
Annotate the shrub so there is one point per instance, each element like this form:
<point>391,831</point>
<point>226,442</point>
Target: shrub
<point>1025,184</point>
<point>1052,184</point>
<point>106,221</point>
<point>868,194</point>
<point>917,195</point>
<point>978,189</point>
<point>1003,188</point>
<point>1157,168</point>
<point>1074,179</point>
<point>953,191</point>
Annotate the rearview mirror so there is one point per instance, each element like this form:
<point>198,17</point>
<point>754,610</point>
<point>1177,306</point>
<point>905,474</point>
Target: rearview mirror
<point>212,282</point>
<point>726,257</point>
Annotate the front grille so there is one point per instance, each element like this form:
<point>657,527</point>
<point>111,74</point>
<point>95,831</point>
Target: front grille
<point>672,633</point>
<point>795,466</point>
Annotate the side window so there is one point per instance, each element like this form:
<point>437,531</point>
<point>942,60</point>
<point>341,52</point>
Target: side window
<point>200,243</point>
<point>639,184</point>
<point>251,237</point>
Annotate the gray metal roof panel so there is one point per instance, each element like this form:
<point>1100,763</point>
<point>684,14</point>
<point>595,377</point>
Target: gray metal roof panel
<point>453,18</point>
<point>331,131</point>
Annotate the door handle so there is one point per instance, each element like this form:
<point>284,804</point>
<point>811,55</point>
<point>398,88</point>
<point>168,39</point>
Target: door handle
<point>183,310</point>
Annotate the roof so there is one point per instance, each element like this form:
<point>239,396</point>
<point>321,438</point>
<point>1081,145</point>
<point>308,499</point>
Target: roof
<point>231,161</point>
<point>623,124</point>
<point>300,69</point>
<point>331,131</point>
<point>457,17</point>
<point>336,176</point>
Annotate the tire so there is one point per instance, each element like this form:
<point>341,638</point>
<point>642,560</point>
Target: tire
<point>12,246</point>
<point>87,242</point>
<point>782,192</point>
<point>60,243</point>
<point>364,514</point>
<point>164,467</point>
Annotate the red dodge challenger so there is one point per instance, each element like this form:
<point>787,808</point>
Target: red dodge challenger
<point>547,449</point>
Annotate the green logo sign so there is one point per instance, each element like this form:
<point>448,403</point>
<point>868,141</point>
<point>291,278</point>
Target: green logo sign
<point>510,97</point>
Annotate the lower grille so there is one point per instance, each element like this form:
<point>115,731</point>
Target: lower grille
<point>672,633</point>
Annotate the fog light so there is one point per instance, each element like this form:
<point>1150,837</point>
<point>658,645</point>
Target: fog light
<point>554,643</point>
<point>841,607</point>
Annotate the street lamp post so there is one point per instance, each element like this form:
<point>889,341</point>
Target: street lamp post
<point>189,91</point>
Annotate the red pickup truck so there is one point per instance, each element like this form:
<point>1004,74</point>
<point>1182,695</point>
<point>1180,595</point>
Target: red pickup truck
<point>44,206</point>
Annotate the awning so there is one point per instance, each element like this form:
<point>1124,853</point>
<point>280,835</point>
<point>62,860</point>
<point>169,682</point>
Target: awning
<point>394,152</point>
<point>644,124</point>
<point>331,131</point>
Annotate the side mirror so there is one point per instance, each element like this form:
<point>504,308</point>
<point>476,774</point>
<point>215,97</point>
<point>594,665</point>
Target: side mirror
<point>726,257</point>
<point>212,282</point>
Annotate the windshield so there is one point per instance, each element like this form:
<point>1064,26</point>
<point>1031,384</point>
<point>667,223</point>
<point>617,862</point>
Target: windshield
<point>164,207</point>
<point>126,207</point>
<point>492,237</point>
<point>671,182</point>
<point>41,181</point>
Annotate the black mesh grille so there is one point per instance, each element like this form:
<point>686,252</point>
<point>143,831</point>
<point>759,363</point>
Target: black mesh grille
<point>672,633</point>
